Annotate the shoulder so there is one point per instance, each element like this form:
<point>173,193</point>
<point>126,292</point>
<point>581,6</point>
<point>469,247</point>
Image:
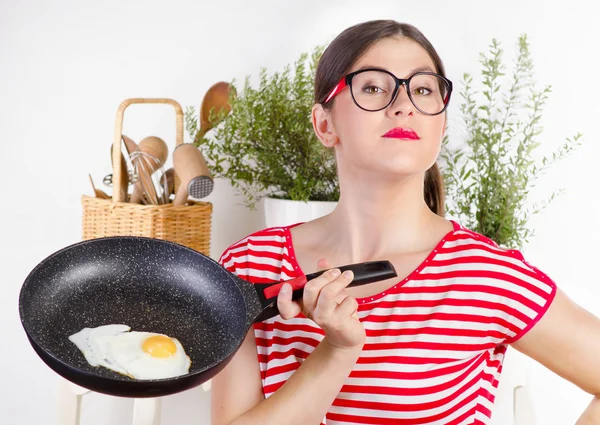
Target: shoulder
<point>503,270</point>
<point>270,237</point>
<point>261,254</point>
<point>462,236</point>
<point>501,279</point>
<point>474,248</point>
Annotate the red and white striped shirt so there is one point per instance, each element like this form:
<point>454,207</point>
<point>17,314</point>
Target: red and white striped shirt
<point>435,341</point>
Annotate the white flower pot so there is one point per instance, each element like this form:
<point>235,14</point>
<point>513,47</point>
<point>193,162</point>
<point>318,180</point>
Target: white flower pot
<point>283,212</point>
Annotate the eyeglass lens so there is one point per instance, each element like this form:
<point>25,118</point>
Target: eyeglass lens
<point>373,90</point>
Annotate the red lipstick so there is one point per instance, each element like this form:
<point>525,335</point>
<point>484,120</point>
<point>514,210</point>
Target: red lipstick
<point>402,133</point>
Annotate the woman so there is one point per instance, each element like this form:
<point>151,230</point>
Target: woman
<point>426,347</point>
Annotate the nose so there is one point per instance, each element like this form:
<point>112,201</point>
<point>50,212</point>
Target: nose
<point>401,105</point>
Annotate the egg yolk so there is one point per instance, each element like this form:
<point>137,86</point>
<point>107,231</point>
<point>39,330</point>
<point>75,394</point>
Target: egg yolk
<point>159,346</point>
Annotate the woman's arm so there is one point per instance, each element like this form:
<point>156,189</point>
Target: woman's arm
<point>237,388</point>
<point>567,341</point>
<point>237,397</point>
<point>236,394</point>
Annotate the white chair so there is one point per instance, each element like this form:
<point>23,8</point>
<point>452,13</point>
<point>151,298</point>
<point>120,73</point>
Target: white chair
<point>146,411</point>
<point>513,404</point>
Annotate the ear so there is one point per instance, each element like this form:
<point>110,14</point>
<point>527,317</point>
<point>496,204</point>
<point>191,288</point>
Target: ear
<point>321,121</point>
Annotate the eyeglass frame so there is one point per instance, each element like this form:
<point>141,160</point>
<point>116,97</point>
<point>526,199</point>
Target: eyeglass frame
<point>346,81</point>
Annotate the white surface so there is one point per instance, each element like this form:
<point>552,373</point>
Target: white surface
<point>282,212</point>
<point>146,411</point>
<point>66,65</point>
<point>514,404</point>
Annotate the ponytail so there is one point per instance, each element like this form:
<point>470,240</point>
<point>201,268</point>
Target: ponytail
<point>434,190</point>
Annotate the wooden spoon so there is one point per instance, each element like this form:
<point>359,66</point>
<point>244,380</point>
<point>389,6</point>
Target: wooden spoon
<point>217,99</point>
<point>97,192</point>
<point>130,145</point>
<point>170,176</point>
<point>146,166</point>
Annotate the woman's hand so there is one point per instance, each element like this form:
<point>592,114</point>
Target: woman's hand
<point>329,305</point>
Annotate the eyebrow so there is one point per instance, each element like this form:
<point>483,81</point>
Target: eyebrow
<point>425,68</point>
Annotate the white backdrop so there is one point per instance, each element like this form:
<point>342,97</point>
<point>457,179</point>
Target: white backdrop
<point>66,66</point>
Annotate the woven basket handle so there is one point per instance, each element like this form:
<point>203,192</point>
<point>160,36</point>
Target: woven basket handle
<point>117,171</point>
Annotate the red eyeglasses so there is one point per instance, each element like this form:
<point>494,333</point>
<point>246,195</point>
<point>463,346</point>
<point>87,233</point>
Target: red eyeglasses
<point>375,89</point>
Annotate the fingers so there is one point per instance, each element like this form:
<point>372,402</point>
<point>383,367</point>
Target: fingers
<point>331,295</point>
<point>327,302</point>
<point>323,264</point>
<point>339,284</point>
<point>322,295</point>
<point>348,307</point>
<point>288,309</point>
<point>313,288</point>
<point>341,296</point>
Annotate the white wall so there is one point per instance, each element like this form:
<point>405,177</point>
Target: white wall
<point>66,65</point>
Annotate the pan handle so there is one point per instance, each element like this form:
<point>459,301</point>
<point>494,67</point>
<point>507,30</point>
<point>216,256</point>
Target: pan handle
<point>368,272</point>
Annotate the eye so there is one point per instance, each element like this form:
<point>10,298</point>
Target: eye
<point>372,90</point>
<point>422,91</point>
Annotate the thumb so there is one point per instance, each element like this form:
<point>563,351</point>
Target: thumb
<point>288,309</point>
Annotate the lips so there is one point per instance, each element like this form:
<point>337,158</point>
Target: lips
<point>402,133</point>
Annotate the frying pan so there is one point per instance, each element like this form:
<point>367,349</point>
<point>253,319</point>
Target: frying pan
<point>154,286</point>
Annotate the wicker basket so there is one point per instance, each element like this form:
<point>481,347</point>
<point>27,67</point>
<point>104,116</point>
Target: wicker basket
<point>188,225</point>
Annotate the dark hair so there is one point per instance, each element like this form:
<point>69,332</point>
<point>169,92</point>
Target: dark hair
<point>346,49</point>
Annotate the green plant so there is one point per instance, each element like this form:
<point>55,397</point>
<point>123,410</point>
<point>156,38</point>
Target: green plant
<point>489,181</point>
<point>266,146</point>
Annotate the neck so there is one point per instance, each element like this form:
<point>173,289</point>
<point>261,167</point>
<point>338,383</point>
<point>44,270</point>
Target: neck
<point>374,222</point>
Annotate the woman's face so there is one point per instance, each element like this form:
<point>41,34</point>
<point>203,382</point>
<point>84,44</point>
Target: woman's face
<point>358,135</point>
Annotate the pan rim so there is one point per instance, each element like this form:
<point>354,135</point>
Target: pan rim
<point>118,378</point>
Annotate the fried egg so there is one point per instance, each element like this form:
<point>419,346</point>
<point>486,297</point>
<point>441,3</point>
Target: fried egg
<point>139,355</point>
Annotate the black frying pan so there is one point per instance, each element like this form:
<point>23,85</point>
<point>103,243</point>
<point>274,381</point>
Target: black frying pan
<point>150,285</point>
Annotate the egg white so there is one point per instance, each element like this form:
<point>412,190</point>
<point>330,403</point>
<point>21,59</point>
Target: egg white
<point>115,348</point>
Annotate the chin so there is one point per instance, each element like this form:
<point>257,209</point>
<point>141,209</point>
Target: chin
<point>399,171</point>
<point>404,165</point>
<point>388,166</point>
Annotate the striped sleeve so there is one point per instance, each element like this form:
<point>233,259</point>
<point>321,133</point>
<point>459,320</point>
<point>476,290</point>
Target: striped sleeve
<point>526,296</point>
<point>230,258</point>
<point>259,257</point>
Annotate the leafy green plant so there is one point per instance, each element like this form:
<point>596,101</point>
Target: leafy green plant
<point>488,181</point>
<point>266,146</point>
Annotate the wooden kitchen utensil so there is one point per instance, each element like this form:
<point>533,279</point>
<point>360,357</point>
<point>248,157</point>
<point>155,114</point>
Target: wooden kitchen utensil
<point>187,225</point>
<point>151,155</point>
<point>170,176</point>
<point>124,184</point>
<point>217,100</point>
<point>97,192</point>
<point>130,145</point>
<point>195,178</point>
